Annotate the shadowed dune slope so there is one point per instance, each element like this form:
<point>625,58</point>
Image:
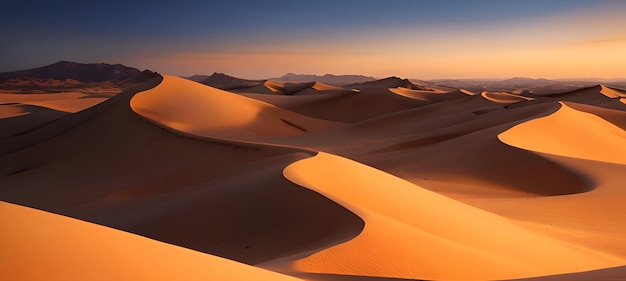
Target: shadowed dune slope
<point>599,95</point>
<point>18,119</point>
<point>198,109</point>
<point>67,102</point>
<point>110,166</point>
<point>332,106</point>
<point>368,100</point>
<point>40,134</point>
<point>37,245</point>
<point>608,274</point>
<point>439,147</point>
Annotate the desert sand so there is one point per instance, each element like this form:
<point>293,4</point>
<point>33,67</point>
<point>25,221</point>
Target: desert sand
<point>37,245</point>
<point>384,180</point>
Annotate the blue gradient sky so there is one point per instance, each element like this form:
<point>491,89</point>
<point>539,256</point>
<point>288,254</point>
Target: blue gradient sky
<point>261,39</point>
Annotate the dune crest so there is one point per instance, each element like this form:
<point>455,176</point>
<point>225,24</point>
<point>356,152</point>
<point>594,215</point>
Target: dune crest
<point>611,92</point>
<point>193,108</point>
<point>503,97</point>
<point>414,233</point>
<point>572,133</point>
<point>428,95</point>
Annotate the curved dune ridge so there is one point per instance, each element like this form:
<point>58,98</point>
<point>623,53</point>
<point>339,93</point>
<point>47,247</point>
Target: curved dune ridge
<point>198,109</point>
<point>430,96</point>
<point>572,133</point>
<point>37,245</point>
<point>414,233</point>
<point>612,92</point>
<point>503,97</point>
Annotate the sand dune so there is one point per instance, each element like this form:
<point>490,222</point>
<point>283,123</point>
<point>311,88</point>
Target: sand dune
<point>197,109</point>
<point>288,88</point>
<point>18,119</point>
<point>178,189</point>
<point>609,274</point>
<point>9,110</point>
<point>429,96</point>
<point>612,92</point>
<point>332,106</point>
<point>42,246</point>
<point>448,185</point>
<point>270,87</point>
<point>67,102</point>
<point>599,95</point>
<point>503,97</point>
<point>413,233</point>
<point>572,133</point>
<point>447,138</point>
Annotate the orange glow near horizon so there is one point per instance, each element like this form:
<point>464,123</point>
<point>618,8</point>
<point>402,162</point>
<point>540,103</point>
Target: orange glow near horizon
<point>423,40</point>
<point>601,59</point>
<point>573,44</point>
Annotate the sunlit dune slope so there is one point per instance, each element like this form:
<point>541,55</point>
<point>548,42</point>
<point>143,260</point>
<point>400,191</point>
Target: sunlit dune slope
<point>428,96</point>
<point>572,133</point>
<point>414,233</point>
<point>503,97</point>
<point>37,245</point>
<point>612,92</point>
<point>198,109</point>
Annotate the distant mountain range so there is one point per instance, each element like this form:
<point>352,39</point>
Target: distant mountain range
<point>72,73</point>
<point>221,80</point>
<point>85,73</point>
<point>67,76</point>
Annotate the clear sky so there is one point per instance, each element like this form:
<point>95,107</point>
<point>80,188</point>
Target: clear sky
<point>261,39</point>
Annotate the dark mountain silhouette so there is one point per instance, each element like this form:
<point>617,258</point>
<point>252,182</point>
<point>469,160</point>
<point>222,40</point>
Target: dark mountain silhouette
<point>85,73</point>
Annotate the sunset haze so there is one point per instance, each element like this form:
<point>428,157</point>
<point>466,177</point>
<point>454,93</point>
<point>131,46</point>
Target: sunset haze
<point>252,39</point>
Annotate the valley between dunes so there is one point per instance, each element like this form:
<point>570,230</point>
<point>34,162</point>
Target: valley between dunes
<point>382,180</point>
